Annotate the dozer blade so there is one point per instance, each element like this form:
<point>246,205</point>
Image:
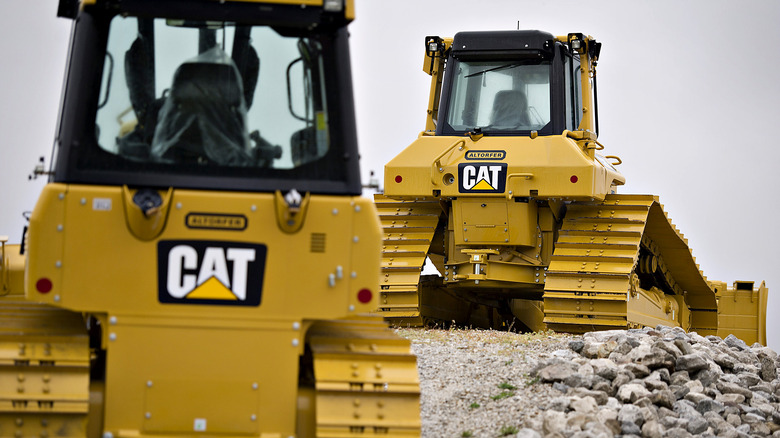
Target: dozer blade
<point>592,284</point>
<point>44,371</point>
<point>366,380</point>
<point>408,228</point>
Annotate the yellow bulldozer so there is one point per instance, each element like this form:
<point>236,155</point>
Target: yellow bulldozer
<point>200,262</point>
<point>508,195</point>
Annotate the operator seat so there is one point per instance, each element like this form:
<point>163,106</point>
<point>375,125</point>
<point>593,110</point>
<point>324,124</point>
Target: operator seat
<point>510,110</point>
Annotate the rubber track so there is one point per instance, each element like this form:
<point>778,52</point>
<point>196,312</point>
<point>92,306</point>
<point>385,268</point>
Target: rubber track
<point>408,228</point>
<point>44,370</point>
<point>366,380</point>
<point>588,280</point>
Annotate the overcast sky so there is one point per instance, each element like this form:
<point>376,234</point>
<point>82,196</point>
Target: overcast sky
<point>688,98</point>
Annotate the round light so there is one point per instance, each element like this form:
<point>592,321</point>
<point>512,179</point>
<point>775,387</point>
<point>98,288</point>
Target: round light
<point>43,285</point>
<point>574,179</point>
<point>398,178</point>
<point>364,296</point>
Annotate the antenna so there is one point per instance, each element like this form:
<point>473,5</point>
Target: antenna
<point>518,24</point>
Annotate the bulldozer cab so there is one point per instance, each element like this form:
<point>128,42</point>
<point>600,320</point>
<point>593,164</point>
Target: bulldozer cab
<point>513,83</point>
<point>165,95</point>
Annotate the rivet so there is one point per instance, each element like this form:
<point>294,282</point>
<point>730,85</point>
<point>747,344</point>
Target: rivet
<point>59,227</point>
<point>253,208</point>
<point>335,211</point>
<point>253,417</point>
<point>351,308</point>
<point>112,336</point>
<point>353,274</point>
<point>295,342</point>
<point>58,264</point>
<point>355,239</point>
<point>296,325</point>
<point>178,205</point>
<point>112,320</point>
<point>255,386</point>
<point>148,415</point>
<point>57,298</point>
<point>357,208</point>
<point>61,196</point>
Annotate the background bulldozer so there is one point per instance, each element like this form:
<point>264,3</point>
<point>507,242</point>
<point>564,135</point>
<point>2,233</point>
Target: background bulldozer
<point>507,193</point>
<point>205,159</point>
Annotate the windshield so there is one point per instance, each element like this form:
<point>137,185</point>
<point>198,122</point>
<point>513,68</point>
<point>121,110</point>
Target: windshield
<point>499,96</point>
<point>180,96</point>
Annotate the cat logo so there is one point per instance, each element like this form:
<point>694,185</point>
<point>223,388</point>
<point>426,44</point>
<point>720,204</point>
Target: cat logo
<point>482,178</point>
<point>210,272</point>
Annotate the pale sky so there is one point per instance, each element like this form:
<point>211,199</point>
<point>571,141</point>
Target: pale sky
<point>688,98</point>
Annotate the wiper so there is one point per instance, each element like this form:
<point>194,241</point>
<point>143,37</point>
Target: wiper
<point>501,67</point>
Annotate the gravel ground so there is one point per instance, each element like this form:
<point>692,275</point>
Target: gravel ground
<point>476,383</point>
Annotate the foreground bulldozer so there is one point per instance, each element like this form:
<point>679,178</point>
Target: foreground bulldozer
<point>507,194</point>
<point>200,262</point>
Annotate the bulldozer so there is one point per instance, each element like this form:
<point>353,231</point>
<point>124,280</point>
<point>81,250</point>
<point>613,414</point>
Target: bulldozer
<point>508,195</point>
<point>200,261</point>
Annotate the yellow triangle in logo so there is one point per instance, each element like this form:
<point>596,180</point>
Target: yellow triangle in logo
<point>212,289</point>
<point>482,185</point>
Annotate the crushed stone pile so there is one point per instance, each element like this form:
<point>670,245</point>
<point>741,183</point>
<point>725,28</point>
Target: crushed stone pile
<point>660,382</point>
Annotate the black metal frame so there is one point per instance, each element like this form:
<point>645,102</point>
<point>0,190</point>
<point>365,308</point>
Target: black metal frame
<point>336,173</point>
<point>508,45</point>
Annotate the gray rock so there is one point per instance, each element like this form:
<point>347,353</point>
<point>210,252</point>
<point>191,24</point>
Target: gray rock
<point>560,404</point>
<point>604,368</point>
<point>730,399</point>
<point>600,397</point>
<point>629,428</point>
<point>691,362</point>
<point>684,347</point>
<point>586,405</point>
<point>554,421</point>
<point>655,385</point>
<point>747,379</point>
<point>726,429</point>
<point>736,343</point>
<point>709,405</point>
<point>637,369</point>
<point>697,425</point>
<point>759,429</point>
<point>556,372</point>
<point>677,432</point>
<point>696,397</point>
<point>768,369</point>
<point>631,392</point>
<point>664,398</point>
<point>560,387</point>
<point>652,429</point>
<point>707,377</point>
<point>577,345</point>
<point>734,419</point>
<point>631,414</point>
<point>732,388</point>
<point>528,433</point>
<point>679,391</point>
<point>751,418</point>
<point>679,378</point>
<point>724,361</point>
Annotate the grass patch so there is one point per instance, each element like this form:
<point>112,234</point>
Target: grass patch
<point>467,434</point>
<point>507,385</point>
<point>502,395</point>
<point>474,405</point>
<point>508,430</point>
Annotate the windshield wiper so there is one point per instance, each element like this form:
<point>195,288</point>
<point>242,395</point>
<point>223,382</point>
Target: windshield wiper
<point>501,67</point>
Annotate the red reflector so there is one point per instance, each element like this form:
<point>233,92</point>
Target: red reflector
<point>398,178</point>
<point>574,179</point>
<point>365,295</point>
<point>43,285</point>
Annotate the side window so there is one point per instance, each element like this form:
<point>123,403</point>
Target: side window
<point>572,79</point>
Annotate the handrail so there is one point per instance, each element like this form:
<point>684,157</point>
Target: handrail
<point>437,161</point>
<point>619,161</point>
<point>526,175</point>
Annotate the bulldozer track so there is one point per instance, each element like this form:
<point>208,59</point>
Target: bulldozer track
<point>44,371</point>
<point>590,283</point>
<point>366,380</point>
<point>408,228</point>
